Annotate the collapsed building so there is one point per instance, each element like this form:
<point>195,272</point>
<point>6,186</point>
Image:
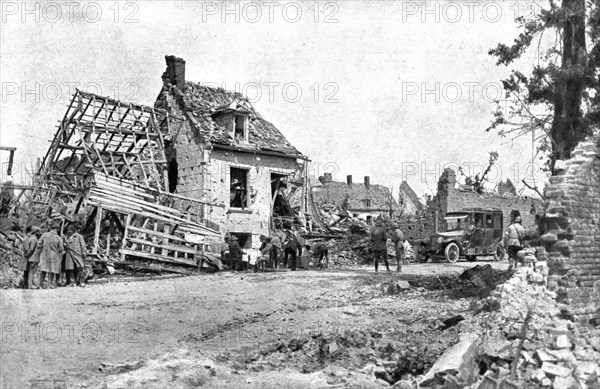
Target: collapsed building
<point>362,201</point>
<point>225,153</point>
<point>160,186</point>
<point>452,197</point>
<point>409,201</point>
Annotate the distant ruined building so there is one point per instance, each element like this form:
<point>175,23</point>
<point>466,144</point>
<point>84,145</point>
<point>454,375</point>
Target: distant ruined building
<point>364,200</point>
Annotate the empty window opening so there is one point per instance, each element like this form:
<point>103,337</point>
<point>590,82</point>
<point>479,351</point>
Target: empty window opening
<point>238,188</point>
<point>369,219</point>
<point>367,202</point>
<point>172,166</point>
<point>240,128</point>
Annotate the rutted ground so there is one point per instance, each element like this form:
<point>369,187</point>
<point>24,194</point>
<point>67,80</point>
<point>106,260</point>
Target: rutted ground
<point>304,329</point>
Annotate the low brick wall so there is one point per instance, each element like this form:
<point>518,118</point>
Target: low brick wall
<point>571,231</point>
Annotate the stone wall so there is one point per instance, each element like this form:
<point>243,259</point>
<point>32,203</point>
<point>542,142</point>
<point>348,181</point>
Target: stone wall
<point>450,198</point>
<point>571,231</point>
<point>255,218</point>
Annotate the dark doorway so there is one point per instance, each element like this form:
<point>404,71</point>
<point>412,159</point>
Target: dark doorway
<point>172,166</point>
<point>244,239</point>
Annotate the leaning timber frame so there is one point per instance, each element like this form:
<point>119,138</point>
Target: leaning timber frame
<point>107,162</point>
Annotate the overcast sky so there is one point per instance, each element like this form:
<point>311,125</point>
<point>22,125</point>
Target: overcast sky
<point>387,89</point>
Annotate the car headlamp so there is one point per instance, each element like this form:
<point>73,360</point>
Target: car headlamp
<point>440,239</point>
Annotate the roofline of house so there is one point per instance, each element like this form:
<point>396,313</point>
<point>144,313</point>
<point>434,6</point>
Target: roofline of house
<point>258,151</point>
<point>368,209</point>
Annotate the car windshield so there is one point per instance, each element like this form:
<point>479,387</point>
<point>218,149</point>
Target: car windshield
<point>456,222</point>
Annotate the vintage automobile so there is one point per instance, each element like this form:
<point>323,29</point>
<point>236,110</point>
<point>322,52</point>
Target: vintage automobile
<point>468,233</point>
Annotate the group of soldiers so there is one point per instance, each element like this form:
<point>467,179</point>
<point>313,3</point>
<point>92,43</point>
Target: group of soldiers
<point>53,255</point>
<point>284,248</point>
<point>379,237</point>
<point>279,249</point>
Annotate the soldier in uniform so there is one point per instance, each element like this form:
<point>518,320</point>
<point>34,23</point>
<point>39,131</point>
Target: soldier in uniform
<point>51,250</point>
<point>513,241</point>
<point>31,258</point>
<point>398,239</point>
<point>235,254</point>
<point>75,258</point>
<point>379,239</point>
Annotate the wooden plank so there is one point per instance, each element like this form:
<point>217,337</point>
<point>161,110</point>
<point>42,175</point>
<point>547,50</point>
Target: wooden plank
<point>108,238</point>
<point>157,233</point>
<point>154,213</point>
<point>157,257</point>
<point>172,247</point>
<point>97,230</point>
<point>153,247</point>
<point>127,228</point>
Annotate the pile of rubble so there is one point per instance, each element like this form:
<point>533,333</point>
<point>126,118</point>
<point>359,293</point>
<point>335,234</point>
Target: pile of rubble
<point>10,253</point>
<point>522,339</point>
<point>387,356</point>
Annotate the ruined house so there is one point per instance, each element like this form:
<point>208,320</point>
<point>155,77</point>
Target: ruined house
<point>410,203</point>
<point>106,168</point>
<point>452,197</point>
<point>362,200</point>
<point>225,153</point>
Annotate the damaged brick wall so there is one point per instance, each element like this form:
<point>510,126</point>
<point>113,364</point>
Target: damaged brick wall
<point>450,198</point>
<point>571,232</point>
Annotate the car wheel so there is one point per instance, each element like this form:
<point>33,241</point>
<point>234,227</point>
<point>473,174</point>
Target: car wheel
<point>452,252</point>
<point>499,253</point>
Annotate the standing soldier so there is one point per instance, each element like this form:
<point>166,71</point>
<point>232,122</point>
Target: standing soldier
<point>293,249</point>
<point>379,239</point>
<point>276,250</point>
<point>75,258</point>
<point>398,239</point>
<point>513,241</point>
<point>51,251</point>
<point>29,263</point>
<point>265,253</point>
<point>235,253</point>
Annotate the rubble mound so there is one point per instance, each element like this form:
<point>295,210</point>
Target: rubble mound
<point>389,356</point>
<point>524,341</point>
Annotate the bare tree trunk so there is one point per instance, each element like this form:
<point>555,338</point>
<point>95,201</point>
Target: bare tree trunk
<point>566,129</point>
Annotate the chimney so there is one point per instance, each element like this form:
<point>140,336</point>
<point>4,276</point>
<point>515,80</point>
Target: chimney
<point>367,182</point>
<point>349,181</point>
<point>175,73</point>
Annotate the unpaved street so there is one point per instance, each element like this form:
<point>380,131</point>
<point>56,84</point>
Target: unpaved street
<point>64,336</point>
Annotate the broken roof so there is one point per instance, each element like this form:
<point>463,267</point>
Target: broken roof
<point>202,102</point>
<point>335,193</point>
<point>410,193</point>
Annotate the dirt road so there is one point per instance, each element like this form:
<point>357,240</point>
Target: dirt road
<point>60,338</point>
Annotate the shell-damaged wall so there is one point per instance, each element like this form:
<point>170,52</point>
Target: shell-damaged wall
<point>570,231</point>
<point>204,173</point>
<point>450,198</point>
<point>253,219</point>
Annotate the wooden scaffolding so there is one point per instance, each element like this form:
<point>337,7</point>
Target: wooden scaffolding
<point>107,162</point>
